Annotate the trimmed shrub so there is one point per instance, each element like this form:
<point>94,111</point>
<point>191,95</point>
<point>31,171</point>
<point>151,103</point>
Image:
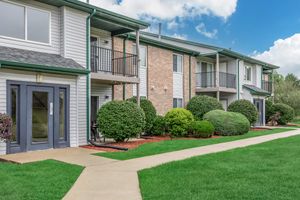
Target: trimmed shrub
<point>199,105</point>
<point>228,123</point>
<point>159,126</point>
<point>150,112</point>
<point>246,108</point>
<point>178,121</point>
<point>286,113</point>
<point>203,129</point>
<point>121,120</point>
<point>6,125</point>
<point>269,110</point>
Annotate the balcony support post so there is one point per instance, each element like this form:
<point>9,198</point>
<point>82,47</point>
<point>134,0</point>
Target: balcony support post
<point>218,75</point>
<point>138,65</point>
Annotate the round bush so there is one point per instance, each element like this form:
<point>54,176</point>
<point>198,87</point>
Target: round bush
<point>269,110</point>
<point>246,108</point>
<point>159,126</point>
<point>228,123</point>
<point>203,129</point>
<point>286,113</point>
<point>178,121</point>
<point>121,120</point>
<point>150,112</point>
<point>199,105</point>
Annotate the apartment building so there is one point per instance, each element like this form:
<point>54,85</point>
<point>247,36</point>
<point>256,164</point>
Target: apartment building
<point>50,69</point>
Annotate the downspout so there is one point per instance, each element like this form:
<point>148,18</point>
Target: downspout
<point>190,77</point>
<point>124,69</point>
<point>238,78</point>
<point>88,55</point>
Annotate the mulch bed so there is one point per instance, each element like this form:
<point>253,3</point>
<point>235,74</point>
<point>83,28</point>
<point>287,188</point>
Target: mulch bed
<point>129,144</point>
<point>149,139</point>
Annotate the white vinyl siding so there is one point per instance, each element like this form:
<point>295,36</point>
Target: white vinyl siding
<point>75,35</point>
<point>77,103</point>
<point>177,76</point>
<point>104,37</point>
<point>103,91</point>
<point>143,74</point>
<point>54,47</point>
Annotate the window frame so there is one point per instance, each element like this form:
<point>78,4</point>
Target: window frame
<point>176,54</point>
<point>25,25</point>
<point>176,99</point>
<point>246,68</point>
<point>9,109</point>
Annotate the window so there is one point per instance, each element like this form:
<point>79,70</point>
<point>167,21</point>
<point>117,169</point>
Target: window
<point>143,54</point>
<point>14,112</point>
<point>38,24</point>
<point>62,114</point>
<point>12,21</point>
<point>177,103</point>
<point>177,63</point>
<point>248,71</point>
<point>22,22</point>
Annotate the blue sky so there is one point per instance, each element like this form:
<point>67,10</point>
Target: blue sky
<point>265,29</point>
<point>254,26</point>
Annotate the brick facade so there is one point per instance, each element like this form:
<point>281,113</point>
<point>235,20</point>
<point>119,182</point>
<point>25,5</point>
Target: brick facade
<point>160,76</point>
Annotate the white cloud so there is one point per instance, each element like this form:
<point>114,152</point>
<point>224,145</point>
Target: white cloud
<point>284,53</point>
<point>169,9</point>
<point>179,36</point>
<point>201,28</point>
<point>172,25</point>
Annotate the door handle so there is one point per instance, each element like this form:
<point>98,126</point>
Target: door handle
<point>51,108</point>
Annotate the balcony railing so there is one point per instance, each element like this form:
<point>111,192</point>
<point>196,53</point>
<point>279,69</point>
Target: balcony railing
<point>267,85</point>
<point>113,62</point>
<point>208,79</point>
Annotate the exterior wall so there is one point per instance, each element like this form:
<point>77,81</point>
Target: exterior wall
<point>54,47</point>
<point>118,92</point>
<point>102,91</point>
<point>104,37</point>
<point>160,81</point>
<point>75,35</point>
<point>186,77</point>
<point>77,122</point>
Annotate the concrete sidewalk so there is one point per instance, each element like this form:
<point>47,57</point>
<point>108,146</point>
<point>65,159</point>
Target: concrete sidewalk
<point>119,180</point>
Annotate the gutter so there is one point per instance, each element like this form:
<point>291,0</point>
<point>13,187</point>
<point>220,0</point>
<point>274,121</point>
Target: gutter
<point>88,27</point>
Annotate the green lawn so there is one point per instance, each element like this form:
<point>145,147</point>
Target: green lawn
<point>175,145</point>
<point>268,171</point>
<point>39,180</point>
<point>296,120</point>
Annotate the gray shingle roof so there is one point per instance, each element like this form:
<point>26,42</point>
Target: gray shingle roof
<point>37,58</point>
<point>255,90</point>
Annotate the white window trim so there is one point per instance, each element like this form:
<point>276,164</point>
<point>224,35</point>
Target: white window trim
<point>181,63</point>
<point>25,25</point>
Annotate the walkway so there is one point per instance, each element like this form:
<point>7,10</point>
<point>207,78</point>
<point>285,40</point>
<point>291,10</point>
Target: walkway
<point>109,179</point>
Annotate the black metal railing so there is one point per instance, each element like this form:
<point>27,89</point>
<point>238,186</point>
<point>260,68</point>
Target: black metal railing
<point>208,79</point>
<point>267,85</point>
<point>227,80</point>
<point>114,62</point>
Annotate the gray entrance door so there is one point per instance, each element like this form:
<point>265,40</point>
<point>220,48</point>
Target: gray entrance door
<point>39,117</point>
<point>259,105</point>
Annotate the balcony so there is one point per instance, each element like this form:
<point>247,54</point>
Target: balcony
<point>207,80</point>
<point>267,85</point>
<point>113,65</point>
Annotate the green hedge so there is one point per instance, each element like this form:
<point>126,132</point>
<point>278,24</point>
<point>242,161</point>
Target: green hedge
<point>178,121</point>
<point>246,108</point>
<point>228,123</point>
<point>287,113</point>
<point>159,126</point>
<point>150,112</point>
<point>199,105</point>
<point>269,110</point>
<point>203,129</point>
<point>121,120</point>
